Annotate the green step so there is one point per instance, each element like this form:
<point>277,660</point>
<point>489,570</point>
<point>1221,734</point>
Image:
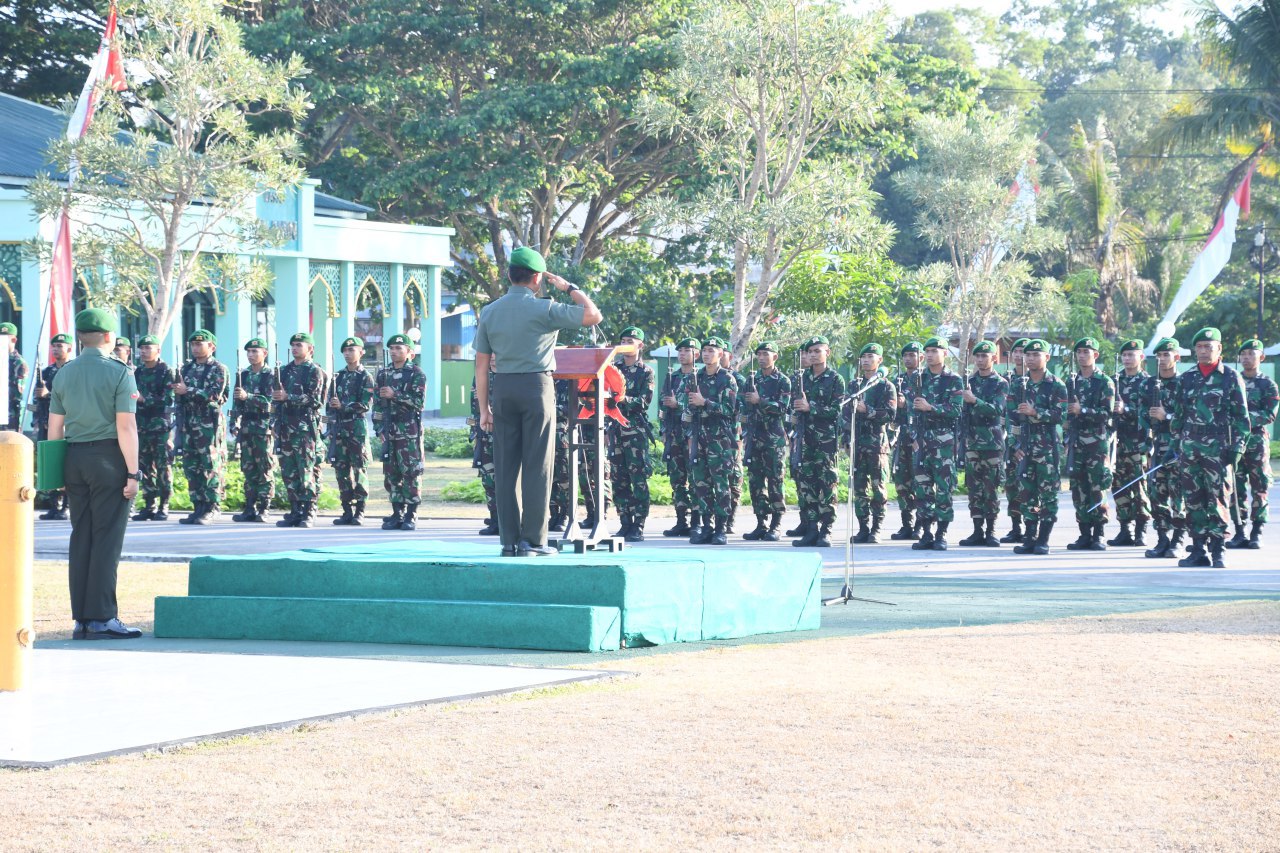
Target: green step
<point>552,627</point>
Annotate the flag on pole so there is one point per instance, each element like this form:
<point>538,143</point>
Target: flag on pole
<point>1213,256</point>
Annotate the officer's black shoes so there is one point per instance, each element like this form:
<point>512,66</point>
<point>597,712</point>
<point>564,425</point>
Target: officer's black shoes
<point>348,516</point>
<point>977,537</point>
<point>702,535</point>
<point>682,525</point>
<point>147,513</point>
<point>1014,535</point>
<point>392,522</point>
<point>212,512</point>
<point>718,537</point>
<point>1162,548</point>
<point>636,533</point>
<point>925,542</point>
<point>775,522</point>
<point>758,533</point>
<point>357,514</point>
<point>1123,538</point>
<point>1095,541</point>
<point>1197,558</point>
<point>1254,534</point>
<point>1085,539</point>
<point>940,538</point>
<point>695,525</point>
<point>990,540</point>
<point>410,519</point>
<point>1175,540</point>
<point>249,513</point>
<point>1041,546</point>
<point>111,629</point>
<point>1215,552</point>
<point>823,538</point>
<point>801,529</point>
<point>1028,545</point>
<point>491,528</point>
<point>1140,532</point>
<point>511,552</point>
<point>162,512</point>
<point>863,534</point>
<point>526,549</point>
<point>1237,541</point>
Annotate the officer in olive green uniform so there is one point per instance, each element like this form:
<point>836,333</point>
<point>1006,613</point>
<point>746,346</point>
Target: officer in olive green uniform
<point>17,378</point>
<point>92,406</point>
<point>251,426</point>
<point>350,402</point>
<point>155,423</point>
<point>60,350</point>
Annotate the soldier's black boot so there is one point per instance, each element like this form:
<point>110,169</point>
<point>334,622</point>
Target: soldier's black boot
<point>249,511</point>
<point>701,533</point>
<point>1162,545</point>
<point>1123,537</point>
<point>759,532</point>
<point>1254,535</point>
<point>940,538</point>
<point>977,537</point>
<point>1197,558</point>
<point>810,537</point>
<point>733,517</point>
<point>990,540</point>
<point>1083,541</point>
<point>775,522</point>
<point>347,517</point>
<point>197,509</point>
<point>636,533</point>
<point>1014,535</point>
<point>290,518</point>
<point>306,514</point>
<point>822,539</point>
<point>409,521</point>
<point>800,529</point>
<point>357,514</point>
<point>392,522</point>
<point>211,511</point>
<point>1175,540</point>
<point>1028,545</point>
<point>147,512</point>
<point>1215,552</point>
<point>877,519</point>
<point>695,525</point>
<point>1096,543</point>
<point>58,512</point>
<point>555,525</point>
<point>1239,540</point>
<point>718,536</point>
<point>625,526</point>
<point>162,509</point>
<point>926,537</point>
<point>863,533</point>
<point>908,529</point>
<point>1140,532</point>
<point>682,525</point>
<point>1042,538</point>
<point>491,527</point>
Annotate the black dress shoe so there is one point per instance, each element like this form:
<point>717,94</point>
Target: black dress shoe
<point>509,552</point>
<point>524,549</point>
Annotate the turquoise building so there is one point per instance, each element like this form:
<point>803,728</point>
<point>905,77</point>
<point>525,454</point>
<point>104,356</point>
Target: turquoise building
<point>339,274</point>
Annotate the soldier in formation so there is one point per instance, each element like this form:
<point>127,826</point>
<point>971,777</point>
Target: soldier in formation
<point>1132,447</point>
<point>401,398</point>
<point>872,411</point>
<point>632,462</point>
<point>709,415</point>
<point>123,352</point>
<point>767,401</point>
<point>154,415</point>
<point>1017,377</point>
<point>935,422</point>
<point>735,473</point>
<point>566,393</point>
<point>817,400</point>
<point>1253,473</point>
<point>1167,504</point>
<point>251,424</point>
<point>482,461</point>
<point>982,421</point>
<point>1090,400</point>
<point>350,400</point>
<point>202,388</point>
<point>676,434</point>
<point>907,383</point>
<point>17,378</point>
<point>297,402</point>
<point>1042,410</point>
<point>59,350</point>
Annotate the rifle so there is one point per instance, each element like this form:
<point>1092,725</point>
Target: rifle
<point>801,418</point>
<point>332,420</point>
<point>179,414</point>
<point>752,418</point>
<point>233,429</point>
<point>962,428</point>
<point>667,425</point>
<point>1073,396</point>
<point>1136,479</point>
<point>1024,425</point>
<point>1115,439</point>
<point>384,406</point>
<point>695,434</point>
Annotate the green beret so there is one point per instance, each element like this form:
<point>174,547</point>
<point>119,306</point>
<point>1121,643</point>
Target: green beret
<point>302,338</point>
<point>691,343</point>
<point>148,340</point>
<point>1127,346</point>
<point>400,339</point>
<point>767,346</point>
<point>1166,345</point>
<point>1252,343</point>
<point>95,320</point>
<point>1087,343</point>
<point>1208,333</point>
<point>255,343</point>
<point>936,342</point>
<point>1036,345</point>
<point>124,342</point>
<point>528,259</point>
<point>60,339</point>
<point>202,335</point>
<point>632,332</point>
<point>714,342</point>
<point>817,340</point>
<point>352,342</point>
<point>8,329</point>
<point>1020,343</point>
<point>872,349</point>
<point>984,346</point>
<point>912,346</point>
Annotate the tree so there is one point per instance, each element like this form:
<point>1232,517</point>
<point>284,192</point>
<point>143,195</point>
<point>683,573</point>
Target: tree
<point>760,85</point>
<point>961,191</point>
<point>46,45</point>
<point>168,204</point>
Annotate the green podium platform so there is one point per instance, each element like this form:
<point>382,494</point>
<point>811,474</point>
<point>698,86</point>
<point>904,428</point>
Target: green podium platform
<point>454,594</point>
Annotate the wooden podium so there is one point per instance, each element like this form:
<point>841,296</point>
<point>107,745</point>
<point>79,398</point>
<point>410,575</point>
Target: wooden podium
<point>577,364</point>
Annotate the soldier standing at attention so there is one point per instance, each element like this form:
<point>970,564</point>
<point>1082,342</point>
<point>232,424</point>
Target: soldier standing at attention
<point>123,352</point>
<point>1254,469</point>
<point>935,421</point>
<point>818,403</point>
<point>768,400</point>
<point>1091,398</point>
<point>1039,453</point>
<point>1210,426</point>
<point>482,461</point>
<point>298,399</point>
<point>251,424</point>
<point>902,458</point>
<point>984,409</point>
<point>566,390</point>
<point>1013,429</point>
<point>1167,503</point>
<point>632,462</point>
<point>202,389</point>
<point>402,395</point>
<point>675,435</point>
<point>352,399</point>
<point>155,399</point>
<point>1133,446</point>
<point>735,482</point>
<point>92,407</point>
<point>17,377</point>
<point>874,411</point>
<point>794,442</point>
<point>60,351</point>
<point>712,400</point>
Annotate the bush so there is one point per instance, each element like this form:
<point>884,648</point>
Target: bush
<point>456,449</point>
<point>464,491</point>
<point>433,438</point>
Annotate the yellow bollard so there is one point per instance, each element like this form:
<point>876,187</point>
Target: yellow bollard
<point>17,553</point>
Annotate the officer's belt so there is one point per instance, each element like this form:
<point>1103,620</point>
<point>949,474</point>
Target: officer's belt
<point>1202,431</point>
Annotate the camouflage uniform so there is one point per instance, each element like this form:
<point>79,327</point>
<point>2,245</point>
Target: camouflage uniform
<point>349,440</point>
<point>17,387</point>
<point>1133,457</point>
<point>296,424</point>
<point>984,455</point>
<point>632,462</point>
<point>155,440</point>
<point>902,459</point>
<point>482,460</point>
<point>1167,500</point>
<point>1040,470</point>
<point>675,453</point>
<point>714,442</point>
<point>251,425</point>
<point>816,486</point>
<point>399,422</point>
<point>735,474</point>
<point>765,451</point>
<point>1088,454</point>
<point>935,457</point>
<point>871,460</point>
<point>565,390</point>
<point>1013,435</point>
<point>204,441</point>
<point>1254,468</point>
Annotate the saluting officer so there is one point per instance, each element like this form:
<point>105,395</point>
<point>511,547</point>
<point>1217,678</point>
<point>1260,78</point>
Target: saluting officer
<point>17,377</point>
<point>1133,446</point>
<point>1253,474</point>
<point>935,419</point>
<point>1091,395</point>
<point>874,411</point>
<point>632,463</point>
<point>1043,408</point>
<point>1167,500</point>
<point>402,395</point>
<point>350,402</point>
<point>984,410</point>
<point>202,389</point>
<point>155,430</point>
<point>251,425</point>
<point>768,401</point>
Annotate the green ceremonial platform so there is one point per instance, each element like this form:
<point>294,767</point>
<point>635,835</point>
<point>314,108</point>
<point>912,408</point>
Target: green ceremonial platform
<point>453,594</point>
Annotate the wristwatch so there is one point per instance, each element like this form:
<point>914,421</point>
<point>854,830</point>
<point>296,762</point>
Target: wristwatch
<point>135,476</point>
<point>572,288</point>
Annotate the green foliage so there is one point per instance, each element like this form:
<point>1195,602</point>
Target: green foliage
<point>463,491</point>
<point>45,45</point>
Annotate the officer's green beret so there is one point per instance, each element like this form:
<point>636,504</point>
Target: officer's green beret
<point>1127,346</point>
<point>352,342</point>
<point>1036,345</point>
<point>817,340</point>
<point>714,342</point>
<point>1021,343</point>
<point>8,329</point>
<point>767,346</point>
<point>255,343</point>
<point>1252,343</point>
<point>95,320</point>
<point>527,258</point>
<point>872,349</point>
<point>1087,343</point>
<point>691,343</point>
<point>60,339</point>
<point>1166,345</point>
<point>202,336</point>
<point>632,332</point>
<point>123,342</point>
<point>936,342</point>
<point>401,339</point>
<point>148,340</point>
<point>984,346</point>
<point>302,338</point>
<point>912,346</point>
<point>1208,333</point>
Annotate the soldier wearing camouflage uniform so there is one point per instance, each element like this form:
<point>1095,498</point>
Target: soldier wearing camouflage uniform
<point>123,353</point>
<point>874,411</point>
<point>1042,410</point>
<point>1091,396</point>
<point>351,399</point>
<point>710,405</point>
<point>297,403</point>
<point>1210,425</point>
<point>565,394</point>
<point>482,460</point>
<point>935,424</point>
<point>675,436</point>
<point>632,462</point>
<point>1133,446</point>
<point>588,483</point>
<point>1167,501</point>
<point>767,400</point>
<point>17,378</point>
<point>201,389</point>
<point>985,397</point>
<point>818,401</point>
<point>902,456</point>
<point>739,418</point>
<point>155,400</point>
<point>402,395</point>
<point>251,426</point>
<point>795,436</point>
<point>59,351</point>
<point>1017,377</point>
<point>1254,469</point>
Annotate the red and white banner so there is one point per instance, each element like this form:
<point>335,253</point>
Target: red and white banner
<point>1213,257</point>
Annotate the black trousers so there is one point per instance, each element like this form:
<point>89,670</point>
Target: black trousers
<point>95,477</point>
<point>523,451</point>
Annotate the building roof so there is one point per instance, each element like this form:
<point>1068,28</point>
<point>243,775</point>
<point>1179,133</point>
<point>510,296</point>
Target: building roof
<point>27,128</point>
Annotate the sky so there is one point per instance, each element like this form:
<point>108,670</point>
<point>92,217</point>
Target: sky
<point>1176,16</point>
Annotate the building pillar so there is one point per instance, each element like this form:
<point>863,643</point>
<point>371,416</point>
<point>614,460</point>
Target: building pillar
<point>431,340</point>
<point>344,326</point>
<point>235,327</point>
<point>293,301</point>
<point>393,319</point>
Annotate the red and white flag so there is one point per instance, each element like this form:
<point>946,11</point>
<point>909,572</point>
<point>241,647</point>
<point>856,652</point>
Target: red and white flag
<point>107,69</point>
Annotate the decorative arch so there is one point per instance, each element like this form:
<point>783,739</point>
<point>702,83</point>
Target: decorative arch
<point>11,273</point>
<point>414,292</point>
<point>332,297</point>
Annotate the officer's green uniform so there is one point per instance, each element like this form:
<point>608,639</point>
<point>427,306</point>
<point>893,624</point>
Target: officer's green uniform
<point>765,448</point>
<point>983,425</point>
<point>88,393</point>
<point>57,498</point>
<point>1253,472</point>
<point>349,437</point>
<point>155,423</point>
<point>251,425</point>
<point>17,380</point>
